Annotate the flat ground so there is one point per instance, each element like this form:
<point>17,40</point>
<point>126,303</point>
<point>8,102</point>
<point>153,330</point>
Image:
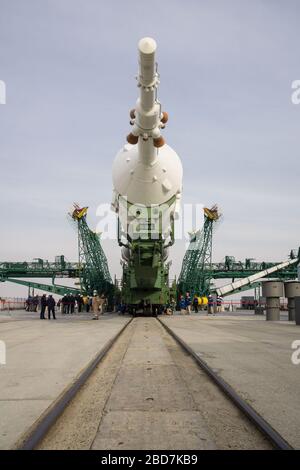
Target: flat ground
<point>149,394</point>
<point>254,357</point>
<point>42,358</point>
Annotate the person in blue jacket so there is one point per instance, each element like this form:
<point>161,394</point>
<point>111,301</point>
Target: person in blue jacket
<point>182,305</point>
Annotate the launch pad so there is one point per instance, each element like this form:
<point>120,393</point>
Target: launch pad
<point>147,187</point>
<point>250,354</point>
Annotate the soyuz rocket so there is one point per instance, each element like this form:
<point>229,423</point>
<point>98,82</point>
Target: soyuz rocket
<point>147,186</point>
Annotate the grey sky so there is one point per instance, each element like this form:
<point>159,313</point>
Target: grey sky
<point>226,72</point>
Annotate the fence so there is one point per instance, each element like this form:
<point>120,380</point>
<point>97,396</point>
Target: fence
<point>233,305</point>
<point>16,303</point>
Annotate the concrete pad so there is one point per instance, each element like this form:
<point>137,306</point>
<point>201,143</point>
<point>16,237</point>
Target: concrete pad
<point>153,431</point>
<point>16,415</point>
<point>254,357</point>
<point>150,405</point>
<point>130,405</point>
<point>149,388</point>
<point>42,358</point>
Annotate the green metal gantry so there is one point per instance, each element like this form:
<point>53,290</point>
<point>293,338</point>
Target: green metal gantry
<point>93,268</point>
<point>230,268</point>
<point>196,273</point>
<point>39,268</point>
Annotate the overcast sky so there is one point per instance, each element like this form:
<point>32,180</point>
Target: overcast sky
<point>226,74</point>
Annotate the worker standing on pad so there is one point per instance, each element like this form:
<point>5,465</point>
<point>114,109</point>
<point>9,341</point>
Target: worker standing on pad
<point>95,305</point>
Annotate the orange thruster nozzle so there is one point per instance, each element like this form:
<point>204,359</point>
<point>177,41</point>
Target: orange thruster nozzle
<point>159,142</point>
<point>132,139</point>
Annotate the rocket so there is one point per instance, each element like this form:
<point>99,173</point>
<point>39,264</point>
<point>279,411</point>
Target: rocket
<point>147,173</point>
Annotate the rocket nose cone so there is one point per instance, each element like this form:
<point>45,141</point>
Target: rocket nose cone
<point>147,46</point>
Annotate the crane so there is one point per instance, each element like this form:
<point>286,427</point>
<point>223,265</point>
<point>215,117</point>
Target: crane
<point>93,268</point>
<point>196,272</point>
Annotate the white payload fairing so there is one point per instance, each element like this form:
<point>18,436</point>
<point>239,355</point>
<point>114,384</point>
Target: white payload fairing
<point>147,173</point>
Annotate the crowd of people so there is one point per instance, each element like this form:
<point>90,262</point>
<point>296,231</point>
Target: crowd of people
<point>67,305</point>
<point>70,303</point>
<point>188,304</point>
<point>32,303</point>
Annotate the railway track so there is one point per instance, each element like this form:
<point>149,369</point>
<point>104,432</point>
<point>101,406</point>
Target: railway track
<point>147,389</point>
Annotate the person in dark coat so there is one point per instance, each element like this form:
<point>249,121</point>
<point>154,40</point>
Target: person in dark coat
<point>195,304</point>
<point>27,304</point>
<point>35,303</point>
<point>80,305</point>
<point>43,306</point>
<point>72,303</point>
<point>64,301</point>
<point>51,307</point>
<point>79,302</point>
<point>68,303</point>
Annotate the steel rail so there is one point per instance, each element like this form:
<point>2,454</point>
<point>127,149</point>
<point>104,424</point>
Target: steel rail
<point>265,428</point>
<point>38,431</point>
